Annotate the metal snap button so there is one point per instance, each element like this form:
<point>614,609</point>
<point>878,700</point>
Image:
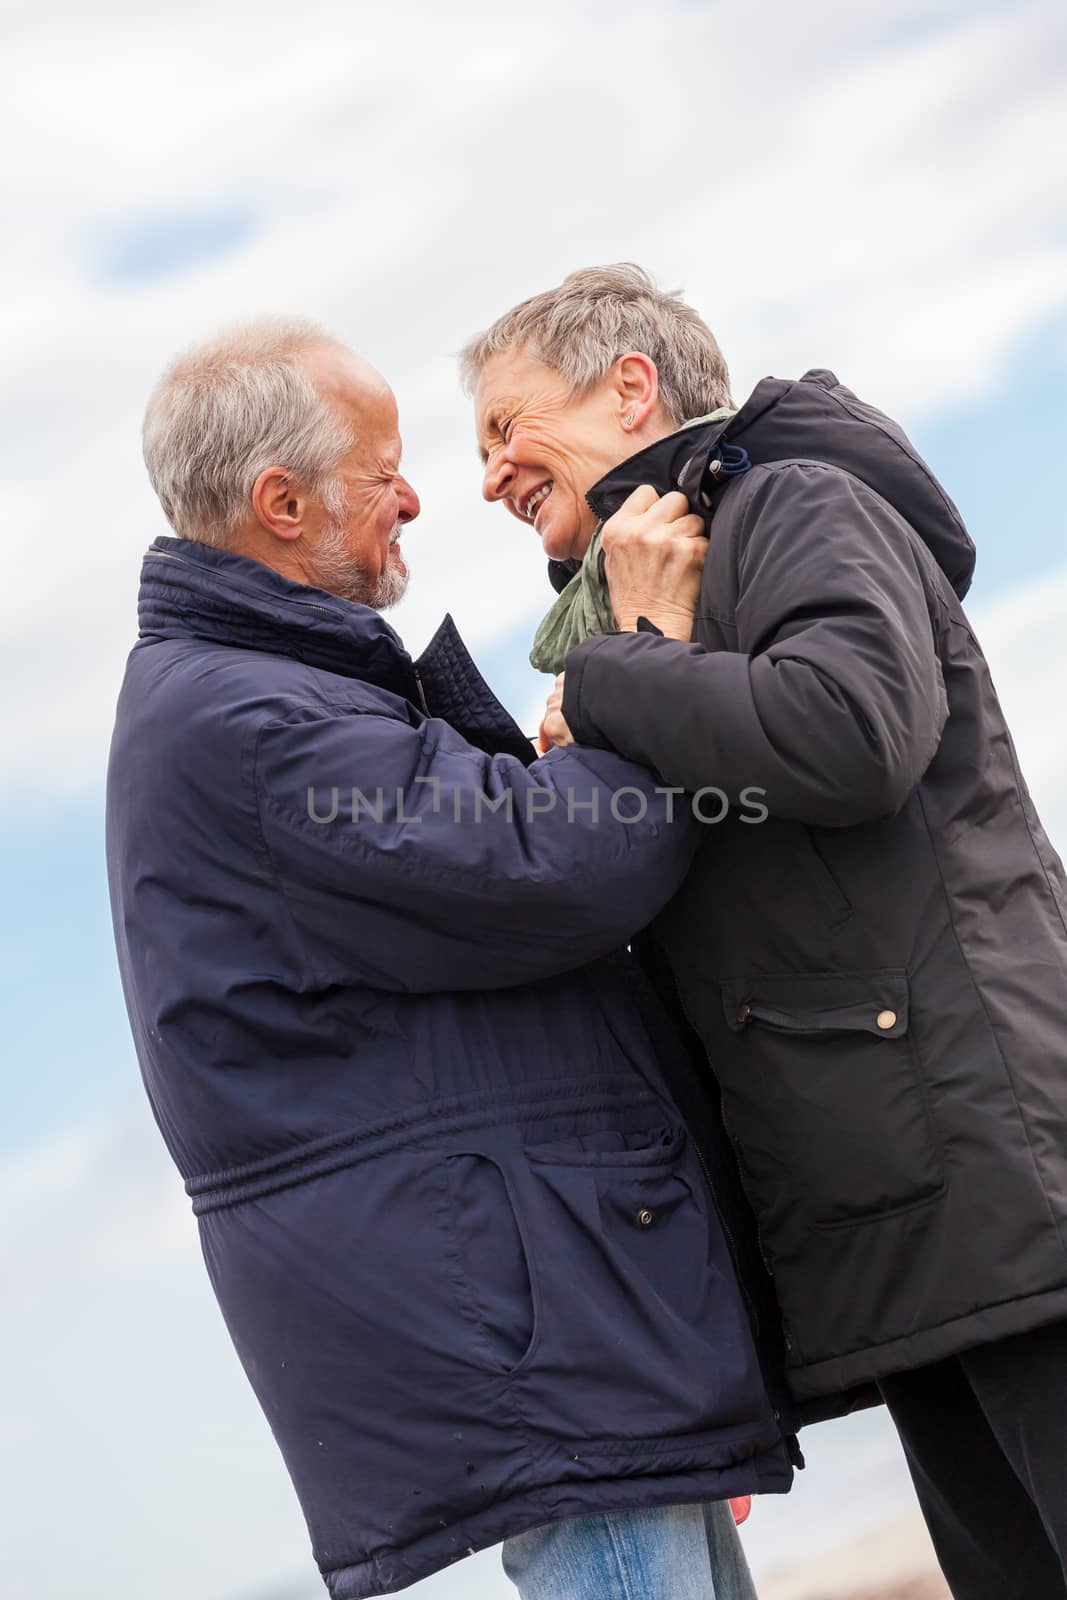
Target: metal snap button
<point>886,1019</point>
<point>744,1011</point>
<point>645,1218</point>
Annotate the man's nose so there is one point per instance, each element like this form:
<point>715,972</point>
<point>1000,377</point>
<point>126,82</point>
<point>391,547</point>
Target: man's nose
<point>409,506</point>
<point>498,479</point>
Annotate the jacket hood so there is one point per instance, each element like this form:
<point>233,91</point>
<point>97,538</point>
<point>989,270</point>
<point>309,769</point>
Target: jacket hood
<point>814,418</point>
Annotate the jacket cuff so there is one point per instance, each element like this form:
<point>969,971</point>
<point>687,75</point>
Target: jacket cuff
<point>576,698</point>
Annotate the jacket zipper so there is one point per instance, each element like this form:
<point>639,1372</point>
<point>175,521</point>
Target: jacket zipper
<point>425,704</point>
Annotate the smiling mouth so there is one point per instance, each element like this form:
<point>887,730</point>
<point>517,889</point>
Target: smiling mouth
<point>533,502</point>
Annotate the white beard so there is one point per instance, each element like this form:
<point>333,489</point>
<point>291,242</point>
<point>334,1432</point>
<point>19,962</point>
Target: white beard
<point>339,574</point>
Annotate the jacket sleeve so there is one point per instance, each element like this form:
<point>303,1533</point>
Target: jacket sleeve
<point>409,860</point>
<point>833,702</point>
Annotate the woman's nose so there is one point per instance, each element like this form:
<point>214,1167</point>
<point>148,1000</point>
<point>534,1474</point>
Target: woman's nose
<point>499,476</point>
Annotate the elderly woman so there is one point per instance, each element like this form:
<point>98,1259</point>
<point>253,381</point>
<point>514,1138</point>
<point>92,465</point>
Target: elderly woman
<point>878,970</point>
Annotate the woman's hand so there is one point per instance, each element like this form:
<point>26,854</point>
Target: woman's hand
<point>654,551</point>
<point>554,729</point>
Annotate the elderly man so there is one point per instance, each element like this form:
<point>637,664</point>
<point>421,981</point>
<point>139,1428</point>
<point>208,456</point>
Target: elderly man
<point>370,948</point>
<point>878,973</point>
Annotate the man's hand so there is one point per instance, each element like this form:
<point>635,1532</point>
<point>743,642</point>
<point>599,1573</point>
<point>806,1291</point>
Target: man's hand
<point>554,729</point>
<point>654,551</point>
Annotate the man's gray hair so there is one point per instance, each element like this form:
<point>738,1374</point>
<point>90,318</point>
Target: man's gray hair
<point>599,314</point>
<point>225,411</point>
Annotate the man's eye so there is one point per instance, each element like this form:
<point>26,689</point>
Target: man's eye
<point>505,428</point>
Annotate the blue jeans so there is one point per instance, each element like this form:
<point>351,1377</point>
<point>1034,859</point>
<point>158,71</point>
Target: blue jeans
<point>668,1553</point>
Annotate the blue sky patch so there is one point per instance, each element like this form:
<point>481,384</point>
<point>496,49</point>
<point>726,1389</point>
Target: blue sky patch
<point>1000,460</point>
<point>159,245</point>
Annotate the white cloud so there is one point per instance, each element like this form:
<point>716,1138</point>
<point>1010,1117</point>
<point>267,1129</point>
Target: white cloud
<point>879,192</point>
<point>103,1204</point>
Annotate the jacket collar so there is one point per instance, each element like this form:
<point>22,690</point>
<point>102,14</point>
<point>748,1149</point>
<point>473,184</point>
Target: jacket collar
<point>679,461</point>
<point>665,465</point>
<point>189,590</point>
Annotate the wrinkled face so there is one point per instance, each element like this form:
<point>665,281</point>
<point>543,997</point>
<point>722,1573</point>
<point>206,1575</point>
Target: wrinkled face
<point>356,553</point>
<point>544,447</point>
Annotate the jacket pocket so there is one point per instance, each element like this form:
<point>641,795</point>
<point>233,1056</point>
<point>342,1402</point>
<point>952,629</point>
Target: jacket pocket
<point>490,1261</point>
<point>642,1331</point>
<point>645,1209</point>
<point>825,1099</point>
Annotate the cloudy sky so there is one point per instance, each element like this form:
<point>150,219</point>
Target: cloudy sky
<point>879,189</point>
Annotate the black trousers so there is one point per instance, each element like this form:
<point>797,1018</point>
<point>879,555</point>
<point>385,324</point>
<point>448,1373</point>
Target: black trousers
<point>985,1435</point>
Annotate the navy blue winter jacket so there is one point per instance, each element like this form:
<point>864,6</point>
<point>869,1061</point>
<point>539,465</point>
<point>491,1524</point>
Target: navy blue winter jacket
<point>464,1247</point>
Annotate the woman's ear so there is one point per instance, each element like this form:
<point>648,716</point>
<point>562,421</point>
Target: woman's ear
<point>635,386</point>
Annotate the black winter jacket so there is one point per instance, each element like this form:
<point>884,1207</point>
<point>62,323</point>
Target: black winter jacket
<point>878,971</point>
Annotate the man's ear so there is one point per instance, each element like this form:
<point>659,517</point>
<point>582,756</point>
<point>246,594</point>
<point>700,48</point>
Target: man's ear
<point>279,503</point>
<point>635,382</point>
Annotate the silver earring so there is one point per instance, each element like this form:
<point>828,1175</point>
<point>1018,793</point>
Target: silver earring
<point>628,422</point>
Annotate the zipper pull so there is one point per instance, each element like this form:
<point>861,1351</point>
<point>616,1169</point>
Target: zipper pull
<point>422,692</point>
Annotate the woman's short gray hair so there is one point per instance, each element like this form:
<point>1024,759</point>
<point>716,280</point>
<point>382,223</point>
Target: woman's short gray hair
<point>228,409</point>
<point>599,314</point>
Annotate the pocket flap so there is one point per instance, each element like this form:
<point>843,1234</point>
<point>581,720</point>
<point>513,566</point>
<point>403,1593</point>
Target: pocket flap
<point>821,1002</point>
<point>657,1147</point>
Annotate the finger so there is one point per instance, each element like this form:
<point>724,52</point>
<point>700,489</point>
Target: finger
<point>640,500</point>
<point>554,724</point>
<point>674,505</point>
<point>681,530</point>
<point>664,535</point>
